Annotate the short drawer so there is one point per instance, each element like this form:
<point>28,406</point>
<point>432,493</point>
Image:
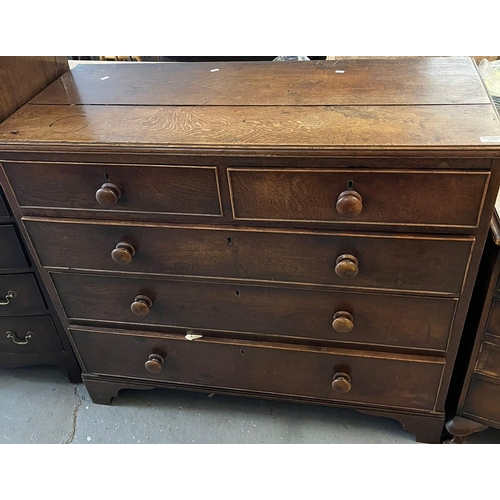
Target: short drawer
<point>384,262</point>
<point>20,294</point>
<point>488,360</point>
<point>493,325</point>
<point>12,254</point>
<point>359,318</point>
<point>148,189</point>
<point>483,400</point>
<point>384,379</point>
<point>29,335</point>
<point>410,198</point>
<point>4,212</point>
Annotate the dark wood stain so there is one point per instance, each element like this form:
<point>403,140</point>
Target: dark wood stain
<point>419,322</point>
<point>253,261</point>
<point>377,380</point>
<point>409,263</point>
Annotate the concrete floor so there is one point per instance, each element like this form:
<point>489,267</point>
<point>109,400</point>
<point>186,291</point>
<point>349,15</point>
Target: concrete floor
<point>39,405</point>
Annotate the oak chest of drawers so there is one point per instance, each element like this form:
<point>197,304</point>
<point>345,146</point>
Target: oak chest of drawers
<point>30,330</point>
<point>308,231</point>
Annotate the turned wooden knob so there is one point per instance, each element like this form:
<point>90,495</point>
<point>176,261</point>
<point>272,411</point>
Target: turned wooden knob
<point>108,195</point>
<point>123,253</point>
<point>346,266</point>
<point>343,322</point>
<point>141,305</point>
<point>341,382</point>
<point>349,203</point>
<point>154,363</point>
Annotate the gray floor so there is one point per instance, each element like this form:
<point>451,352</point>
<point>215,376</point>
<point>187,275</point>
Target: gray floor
<point>39,405</point>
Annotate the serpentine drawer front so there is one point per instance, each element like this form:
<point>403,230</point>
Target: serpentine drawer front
<point>315,239</point>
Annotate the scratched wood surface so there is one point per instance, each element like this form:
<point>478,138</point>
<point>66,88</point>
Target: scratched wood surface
<point>423,80</point>
<point>351,127</point>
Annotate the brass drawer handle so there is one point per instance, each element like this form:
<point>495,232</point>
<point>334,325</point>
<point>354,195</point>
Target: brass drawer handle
<point>154,363</point>
<point>10,295</point>
<point>341,382</point>
<point>17,340</point>
<point>123,253</point>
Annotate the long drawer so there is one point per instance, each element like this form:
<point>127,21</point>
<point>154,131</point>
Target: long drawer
<point>390,262</point>
<point>20,294</point>
<point>383,380</point>
<point>28,335</point>
<point>12,254</point>
<point>385,197</point>
<point>325,315</point>
<point>147,189</point>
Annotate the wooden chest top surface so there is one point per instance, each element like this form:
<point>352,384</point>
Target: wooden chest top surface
<point>429,104</point>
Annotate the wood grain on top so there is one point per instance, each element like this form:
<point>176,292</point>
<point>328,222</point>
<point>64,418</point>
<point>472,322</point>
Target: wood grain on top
<point>348,82</point>
<point>285,127</point>
<point>21,78</point>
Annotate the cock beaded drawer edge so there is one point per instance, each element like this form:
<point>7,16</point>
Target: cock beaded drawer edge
<point>305,231</point>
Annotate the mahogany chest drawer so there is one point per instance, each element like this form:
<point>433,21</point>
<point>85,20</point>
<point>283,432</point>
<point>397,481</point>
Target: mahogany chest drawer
<point>325,374</point>
<point>493,325</point>
<point>401,321</point>
<point>119,188</point>
<point>483,400</point>
<point>4,212</point>
<point>412,263</point>
<point>488,359</point>
<point>12,255</point>
<point>358,196</point>
<point>20,294</point>
<point>29,335</point>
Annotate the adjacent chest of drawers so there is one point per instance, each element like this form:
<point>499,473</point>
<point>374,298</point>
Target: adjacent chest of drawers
<point>303,231</point>
<point>479,399</point>
<point>30,330</point>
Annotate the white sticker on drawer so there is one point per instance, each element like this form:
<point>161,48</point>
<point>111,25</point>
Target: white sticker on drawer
<point>191,336</point>
<point>490,138</point>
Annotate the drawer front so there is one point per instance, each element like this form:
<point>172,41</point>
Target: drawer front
<point>4,212</point>
<point>483,400</point>
<point>493,325</point>
<point>12,254</point>
<point>26,297</point>
<point>387,197</point>
<point>375,319</point>
<point>164,190</point>
<point>384,262</point>
<point>264,368</point>
<point>488,360</point>
<point>29,335</point>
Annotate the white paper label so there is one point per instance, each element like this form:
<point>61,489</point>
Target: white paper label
<point>490,138</point>
<point>190,336</point>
